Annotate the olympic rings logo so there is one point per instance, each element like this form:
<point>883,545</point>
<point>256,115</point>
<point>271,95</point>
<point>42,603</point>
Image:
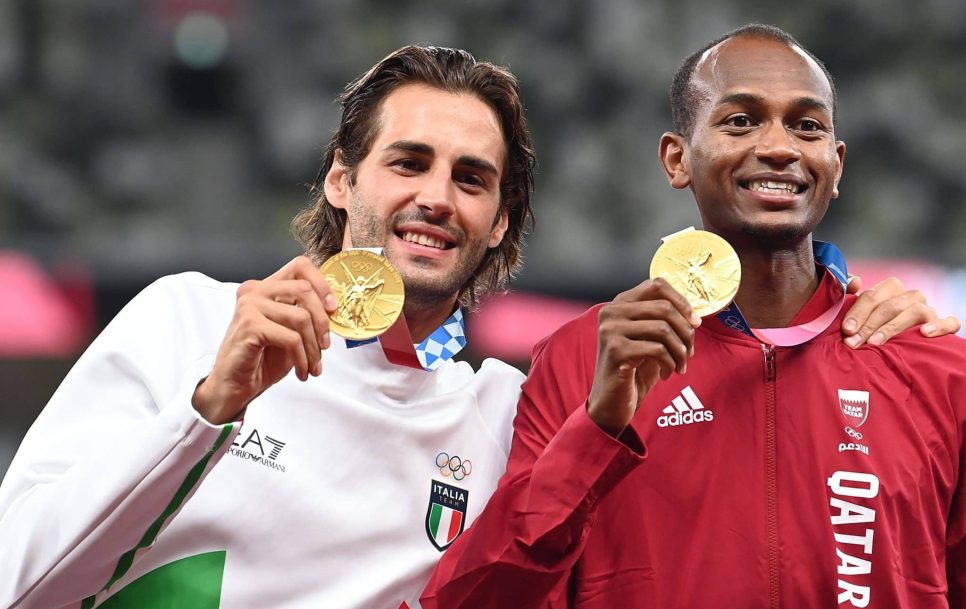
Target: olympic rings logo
<point>361,266</point>
<point>453,466</point>
<point>853,433</point>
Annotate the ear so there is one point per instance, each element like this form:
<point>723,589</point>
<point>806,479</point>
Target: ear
<point>336,185</point>
<point>674,160</point>
<point>499,227</point>
<point>840,164</point>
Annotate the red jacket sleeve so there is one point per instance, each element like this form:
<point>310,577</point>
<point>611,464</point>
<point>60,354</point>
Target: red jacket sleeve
<point>942,379</point>
<point>956,541</point>
<point>520,550</point>
<point>935,368</point>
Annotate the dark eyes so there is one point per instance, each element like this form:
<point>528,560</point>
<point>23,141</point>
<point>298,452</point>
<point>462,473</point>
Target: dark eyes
<point>744,121</point>
<point>413,166</point>
<point>471,179</point>
<point>807,124</point>
<point>409,165</point>
<point>741,121</point>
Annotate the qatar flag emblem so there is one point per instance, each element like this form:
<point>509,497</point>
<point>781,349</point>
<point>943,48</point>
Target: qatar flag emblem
<point>854,405</point>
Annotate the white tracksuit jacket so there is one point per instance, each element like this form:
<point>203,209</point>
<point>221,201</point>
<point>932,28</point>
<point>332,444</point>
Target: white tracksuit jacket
<point>327,495</point>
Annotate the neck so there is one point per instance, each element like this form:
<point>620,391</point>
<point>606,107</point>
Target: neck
<point>423,320</point>
<point>775,284</point>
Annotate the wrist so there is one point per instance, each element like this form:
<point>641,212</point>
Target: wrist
<point>212,405</point>
<point>606,420</point>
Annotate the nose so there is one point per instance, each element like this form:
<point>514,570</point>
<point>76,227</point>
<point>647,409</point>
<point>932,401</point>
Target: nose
<point>776,145</point>
<point>436,195</point>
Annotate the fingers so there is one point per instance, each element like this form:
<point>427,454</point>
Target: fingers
<point>297,294</point>
<point>280,323</point>
<point>299,336</point>
<point>287,331</point>
<point>633,332</point>
<point>298,300</point>
<point>660,289</point>
<point>887,309</point>
<point>651,321</point>
<point>645,334</point>
<point>885,324</point>
<point>301,269</point>
<point>291,344</point>
<point>873,308</point>
<point>867,303</point>
<point>941,327</point>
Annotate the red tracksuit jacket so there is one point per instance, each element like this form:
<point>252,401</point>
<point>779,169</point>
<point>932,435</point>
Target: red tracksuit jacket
<point>809,476</point>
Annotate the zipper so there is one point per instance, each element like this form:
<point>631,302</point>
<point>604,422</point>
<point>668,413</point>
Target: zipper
<point>771,476</point>
<point>769,353</point>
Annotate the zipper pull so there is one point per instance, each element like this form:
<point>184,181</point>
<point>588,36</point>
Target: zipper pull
<point>769,352</point>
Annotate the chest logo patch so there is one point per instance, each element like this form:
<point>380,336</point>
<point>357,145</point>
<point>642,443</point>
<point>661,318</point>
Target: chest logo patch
<point>855,406</point>
<point>446,513</point>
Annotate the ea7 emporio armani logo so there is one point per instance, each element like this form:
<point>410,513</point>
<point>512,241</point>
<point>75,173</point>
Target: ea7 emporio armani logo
<point>257,448</point>
<point>685,409</point>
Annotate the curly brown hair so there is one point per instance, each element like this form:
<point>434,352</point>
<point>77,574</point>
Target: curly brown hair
<point>320,226</point>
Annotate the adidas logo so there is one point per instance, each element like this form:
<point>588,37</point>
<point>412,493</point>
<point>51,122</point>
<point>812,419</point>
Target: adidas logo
<point>685,410</point>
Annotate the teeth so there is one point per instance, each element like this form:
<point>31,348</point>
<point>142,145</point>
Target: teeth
<point>772,187</point>
<point>424,240</point>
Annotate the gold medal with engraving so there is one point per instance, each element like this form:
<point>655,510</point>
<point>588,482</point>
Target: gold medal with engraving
<point>700,265</point>
<point>370,293</point>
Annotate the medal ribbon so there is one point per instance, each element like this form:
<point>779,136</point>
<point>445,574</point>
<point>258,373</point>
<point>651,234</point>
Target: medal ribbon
<point>440,346</point>
<point>830,257</point>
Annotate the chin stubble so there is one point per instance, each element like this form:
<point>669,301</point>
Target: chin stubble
<point>774,234</point>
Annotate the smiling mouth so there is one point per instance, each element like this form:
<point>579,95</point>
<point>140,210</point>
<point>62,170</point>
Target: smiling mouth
<point>774,187</point>
<point>425,240</point>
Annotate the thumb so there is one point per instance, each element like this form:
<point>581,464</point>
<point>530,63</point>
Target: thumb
<point>853,284</point>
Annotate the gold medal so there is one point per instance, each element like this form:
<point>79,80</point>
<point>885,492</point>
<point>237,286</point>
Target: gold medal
<point>700,265</point>
<point>370,293</point>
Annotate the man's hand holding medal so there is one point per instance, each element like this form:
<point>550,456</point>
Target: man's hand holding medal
<point>283,322</point>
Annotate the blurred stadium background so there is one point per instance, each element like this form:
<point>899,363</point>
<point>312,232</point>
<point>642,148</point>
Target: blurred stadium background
<point>149,137</point>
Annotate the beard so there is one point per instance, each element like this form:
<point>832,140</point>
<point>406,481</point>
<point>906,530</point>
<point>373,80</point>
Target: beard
<point>782,231</point>
<point>779,233</point>
<point>774,235</point>
<point>426,284</point>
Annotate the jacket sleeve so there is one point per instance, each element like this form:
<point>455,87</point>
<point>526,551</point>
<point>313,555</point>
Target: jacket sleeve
<point>952,366</point>
<point>519,552</point>
<point>935,368</point>
<point>110,460</point>
<point>956,541</point>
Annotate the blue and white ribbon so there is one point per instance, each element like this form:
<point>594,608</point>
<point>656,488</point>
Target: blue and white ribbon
<point>440,346</point>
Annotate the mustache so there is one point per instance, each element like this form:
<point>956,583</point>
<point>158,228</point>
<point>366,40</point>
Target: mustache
<point>420,216</point>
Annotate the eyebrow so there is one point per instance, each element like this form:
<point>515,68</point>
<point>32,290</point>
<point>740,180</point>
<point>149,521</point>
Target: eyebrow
<point>425,149</point>
<point>757,100</point>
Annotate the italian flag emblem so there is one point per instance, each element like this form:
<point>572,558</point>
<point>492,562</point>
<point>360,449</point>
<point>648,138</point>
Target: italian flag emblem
<point>446,514</point>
